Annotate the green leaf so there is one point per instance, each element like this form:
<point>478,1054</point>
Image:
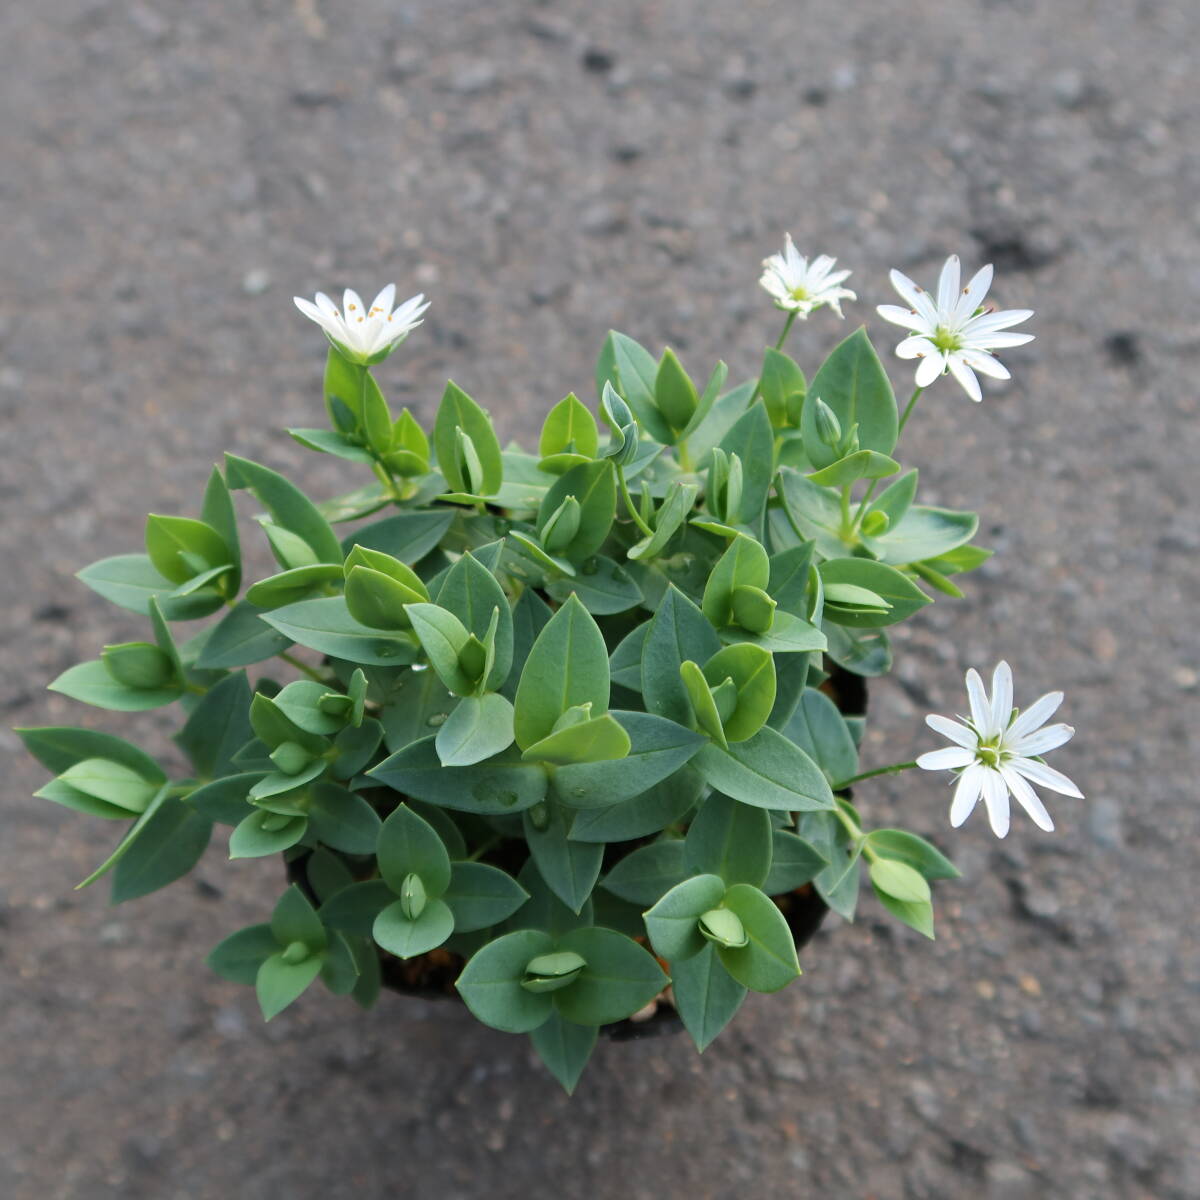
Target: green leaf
<point>853,383</point>
<point>753,440</point>
<point>598,739</point>
<point>569,429</point>
<point>862,653</point>
<point>408,844</point>
<point>915,851</point>
<point>444,638</point>
<point>567,666</point>
<point>863,464</point>
<point>673,922</point>
<point>58,748</point>
<point>343,820</point>
<point>263,834</point>
<point>490,983</point>
<point>326,625</point>
<point>768,962</point>
<point>166,848</point>
<point>91,683</point>
<point>602,586</point>
<point>180,547</point>
<point>924,533</point>
<point>744,564</point>
<point>218,727</point>
<point>674,392</point>
<point>570,868</point>
<point>636,372</point>
<point>130,581</point>
<point>278,983</point>
<point>838,883</point>
<point>226,799</point>
<point>495,787</point>
<point>241,637</point>
<point>458,411</point>
<point>813,513</point>
<point>112,782</point>
<point>669,519</point>
<point>619,977</point>
<point>646,874</point>
<point>766,771</point>
<point>564,1048</point>
<point>783,388</point>
<point>641,815</point>
<point>480,896</point>
<point>730,840</point>
<point>238,957</point>
<point>706,995</point>
<point>408,536</point>
<point>295,920</point>
<point>594,486</point>
<point>62,793</point>
<point>472,593</point>
<point>353,908</point>
<point>899,880</point>
<point>904,597</point>
<point>405,937</point>
<point>658,748</point>
<point>794,862</point>
<point>917,914</point>
<point>327,874</point>
<point>752,672</point>
<point>678,632</point>
<point>340,972</point>
<point>328,441</point>
<point>820,730</point>
<point>478,728</point>
<point>287,505</point>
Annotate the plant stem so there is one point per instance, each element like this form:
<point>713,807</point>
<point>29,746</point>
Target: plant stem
<point>633,512</point>
<point>894,769</point>
<point>302,667</point>
<point>908,411</point>
<point>847,527</point>
<point>476,854</point>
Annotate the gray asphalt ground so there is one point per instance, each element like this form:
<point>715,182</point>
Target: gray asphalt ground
<point>173,173</point>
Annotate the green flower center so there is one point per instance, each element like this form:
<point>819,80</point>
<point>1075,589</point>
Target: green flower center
<point>800,293</point>
<point>947,340</point>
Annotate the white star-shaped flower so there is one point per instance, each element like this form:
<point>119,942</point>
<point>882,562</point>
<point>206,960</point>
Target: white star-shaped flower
<point>798,286</point>
<point>954,333</point>
<point>997,752</point>
<point>365,334</point>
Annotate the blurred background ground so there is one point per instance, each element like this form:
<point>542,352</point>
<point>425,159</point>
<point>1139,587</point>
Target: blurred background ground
<point>174,173</point>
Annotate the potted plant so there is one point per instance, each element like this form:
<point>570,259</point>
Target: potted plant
<point>569,735</point>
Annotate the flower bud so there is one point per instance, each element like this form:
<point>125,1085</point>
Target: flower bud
<point>470,465</point>
<point>291,758</point>
<point>829,428</point>
<point>753,609</point>
<point>412,896</point>
<point>724,928</point>
<point>563,524</point>
<point>875,523</point>
<point>289,548</point>
<point>295,953</point>
<point>550,972</point>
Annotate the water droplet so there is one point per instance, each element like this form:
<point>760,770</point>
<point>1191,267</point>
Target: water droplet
<point>620,574</point>
<point>508,799</point>
<point>386,650</point>
<point>437,719</point>
<point>591,566</point>
<point>419,667</point>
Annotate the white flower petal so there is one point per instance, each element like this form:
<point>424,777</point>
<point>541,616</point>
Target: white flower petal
<point>1039,773</point>
<point>917,346</point>
<point>995,796</point>
<point>984,363</point>
<point>930,367</point>
<point>986,322</point>
<point>903,316</point>
<point>948,283</point>
<point>973,294</point>
<point>1002,696</point>
<point>352,305</point>
<point>1040,741</point>
<point>914,296</point>
<point>964,375</point>
<point>1036,715</point>
<point>310,310</point>
<point>995,341</point>
<point>966,794</point>
<point>1028,799</point>
<point>981,710</point>
<point>957,733</point>
<point>948,759</point>
<point>327,306</point>
<point>384,301</point>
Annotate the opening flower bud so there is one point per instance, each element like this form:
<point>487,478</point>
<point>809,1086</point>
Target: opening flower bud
<point>378,600</point>
<point>724,928</point>
<point>412,896</point>
<point>289,548</point>
<point>875,523</point>
<point>273,822</point>
<point>550,972</point>
<point>469,464</point>
<point>753,609</point>
<point>560,530</point>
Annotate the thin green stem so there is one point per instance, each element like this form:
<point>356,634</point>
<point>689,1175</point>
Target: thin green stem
<point>908,411</point>
<point>478,853</point>
<point>862,507</point>
<point>633,512</point>
<point>302,667</point>
<point>894,769</point>
<point>847,527</point>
